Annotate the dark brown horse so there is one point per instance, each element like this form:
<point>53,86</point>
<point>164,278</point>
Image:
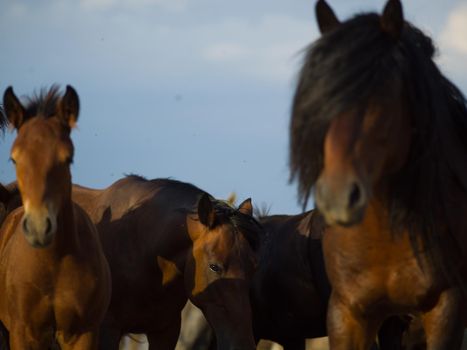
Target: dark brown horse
<point>290,289</point>
<point>54,279</point>
<point>10,199</point>
<point>379,132</point>
<point>167,241</point>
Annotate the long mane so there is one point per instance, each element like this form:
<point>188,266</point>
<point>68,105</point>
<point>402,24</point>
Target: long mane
<point>241,223</point>
<point>357,62</point>
<point>44,103</point>
<point>247,225</point>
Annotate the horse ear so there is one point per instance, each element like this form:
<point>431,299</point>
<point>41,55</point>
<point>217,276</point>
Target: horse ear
<point>70,107</point>
<point>392,19</point>
<point>206,212</point>
<point>246,207</point>
<point>325,16</point>
<point>14,110</point>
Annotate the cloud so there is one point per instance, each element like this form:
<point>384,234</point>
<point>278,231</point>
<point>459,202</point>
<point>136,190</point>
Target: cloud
<point>106,5</point>
<point>454,35</point>
<point>265,49</point>
<point>453,44</point>
<point>100,41</point>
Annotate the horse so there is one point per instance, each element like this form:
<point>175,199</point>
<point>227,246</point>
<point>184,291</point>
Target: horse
<point>10,199</point>
<point>290,288</point>
<point>166,242</point>
<point>54,278</point>
<point>378,133</point>
<point>289,291</point>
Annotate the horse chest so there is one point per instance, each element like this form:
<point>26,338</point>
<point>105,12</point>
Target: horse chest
<point>370,272</point>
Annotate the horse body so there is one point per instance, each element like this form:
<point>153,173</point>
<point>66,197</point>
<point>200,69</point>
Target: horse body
<point>58,291</point>
<point>290,289</point>
<point>54,276</point>
<point>377,130</point>
<point>161,252</point>
<point>140,296</point>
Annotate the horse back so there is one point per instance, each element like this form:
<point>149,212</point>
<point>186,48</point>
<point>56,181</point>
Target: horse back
<point>142,226</point>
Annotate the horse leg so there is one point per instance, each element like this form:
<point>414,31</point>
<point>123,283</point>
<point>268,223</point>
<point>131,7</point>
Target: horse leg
<point>346,330</point>
<point>298,344</point>
<point>4,338</point>
<point>85,341</point>
<point>390,333</point>
<point>443,324</point>
<point>109,338</point>
<point>22,338</point>
<point>165,340</point>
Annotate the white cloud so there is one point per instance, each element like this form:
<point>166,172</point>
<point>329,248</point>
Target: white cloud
<point>105,5</point>
<point>99,41</point>
<point>454,35</point>
<point>265,49</point>
<point>453,44</point>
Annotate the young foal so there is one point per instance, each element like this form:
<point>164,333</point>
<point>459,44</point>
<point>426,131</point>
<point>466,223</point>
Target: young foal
<point>167,241</point>
<point>54,279</point>
<point>380,133</point>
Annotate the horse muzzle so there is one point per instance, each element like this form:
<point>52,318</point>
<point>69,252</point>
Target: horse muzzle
<point>39,230</point>
<point>341,204</point>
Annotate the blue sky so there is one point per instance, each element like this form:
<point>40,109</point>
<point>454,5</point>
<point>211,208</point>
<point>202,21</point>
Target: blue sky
<point>197,90</point>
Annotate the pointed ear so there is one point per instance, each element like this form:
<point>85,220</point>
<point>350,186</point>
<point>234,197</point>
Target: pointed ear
<point>206,212</point>
<point>325,16</point>
<point>14,110</point>
<point>246,207</point>
<point>69,107</point>
<point>392,19</point>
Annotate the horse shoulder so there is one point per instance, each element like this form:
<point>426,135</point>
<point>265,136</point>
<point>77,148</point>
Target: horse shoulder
<point>9,226</point>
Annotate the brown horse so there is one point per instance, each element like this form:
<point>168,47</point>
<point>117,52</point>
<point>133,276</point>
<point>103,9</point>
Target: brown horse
<point>167,241</point>
<point>290,289</point>
<point>54,279</point>
<point>379,132</point>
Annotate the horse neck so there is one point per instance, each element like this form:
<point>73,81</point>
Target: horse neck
<point>377,228</point>
<point>283,234</point>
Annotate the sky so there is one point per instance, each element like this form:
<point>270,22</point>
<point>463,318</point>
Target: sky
<point>196,90</point>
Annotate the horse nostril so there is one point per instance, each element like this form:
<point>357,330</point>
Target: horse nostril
<point>49,226</point>
<point>25,225</point>
<point>355,195</point>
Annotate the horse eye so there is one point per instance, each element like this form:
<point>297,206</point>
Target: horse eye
<point>13,161</point>
<point>216,268</point>
<point>69,160</point>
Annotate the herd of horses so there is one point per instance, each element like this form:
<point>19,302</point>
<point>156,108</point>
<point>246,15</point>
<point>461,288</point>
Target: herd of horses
<point>377,133</point>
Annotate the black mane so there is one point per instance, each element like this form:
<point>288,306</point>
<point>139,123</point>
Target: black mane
<point>44,104</point>
<point>359,62</point>
<point>249,227</point>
